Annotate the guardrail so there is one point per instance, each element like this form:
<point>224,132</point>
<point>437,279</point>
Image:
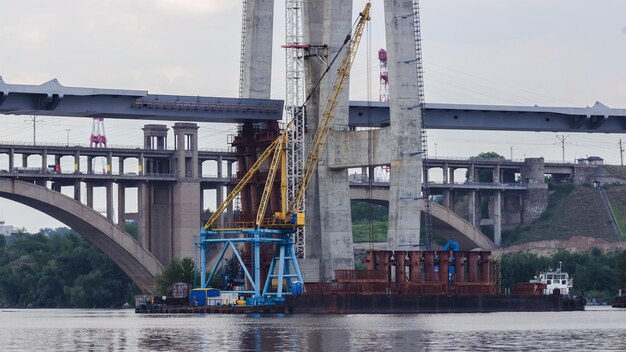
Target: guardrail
<point>114,146</point>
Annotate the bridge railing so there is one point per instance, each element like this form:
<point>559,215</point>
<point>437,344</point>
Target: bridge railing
<point>364,182</point>
<point>112,146</point>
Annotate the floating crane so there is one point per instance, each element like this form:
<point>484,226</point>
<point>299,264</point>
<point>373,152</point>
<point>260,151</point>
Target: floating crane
<point>284,269</point>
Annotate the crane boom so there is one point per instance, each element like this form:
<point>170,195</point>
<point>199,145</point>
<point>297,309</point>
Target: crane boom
<point>269,183</point>
<point>343,73</point>
<point>242,183</point>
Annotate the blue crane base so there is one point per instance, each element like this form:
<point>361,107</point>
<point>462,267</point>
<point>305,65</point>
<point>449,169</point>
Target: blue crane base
<point>283,277</point>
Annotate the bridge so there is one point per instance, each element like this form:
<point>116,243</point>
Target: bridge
<point>156,172</point>
<point>170,183</point>
<point>53,99</point>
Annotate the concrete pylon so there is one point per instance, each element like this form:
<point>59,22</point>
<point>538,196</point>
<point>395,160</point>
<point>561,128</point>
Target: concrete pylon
<point>405,126</point>
<point>329,227</point>
<point>257,67</point>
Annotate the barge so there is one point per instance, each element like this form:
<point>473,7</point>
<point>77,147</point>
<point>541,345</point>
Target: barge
<point>394,282</point>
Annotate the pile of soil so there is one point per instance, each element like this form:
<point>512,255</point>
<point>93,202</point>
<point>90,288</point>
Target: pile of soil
<point>573,244</point>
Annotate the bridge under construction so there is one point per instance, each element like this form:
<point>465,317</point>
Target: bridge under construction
<point>169,208</point>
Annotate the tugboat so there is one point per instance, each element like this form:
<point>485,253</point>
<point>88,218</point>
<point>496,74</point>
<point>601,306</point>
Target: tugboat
<point>557,281</point>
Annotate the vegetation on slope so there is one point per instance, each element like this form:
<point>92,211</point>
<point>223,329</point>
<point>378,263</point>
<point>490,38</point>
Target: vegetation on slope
<point>617,198</point>
<point>369,222</point>
<point>572,211</point>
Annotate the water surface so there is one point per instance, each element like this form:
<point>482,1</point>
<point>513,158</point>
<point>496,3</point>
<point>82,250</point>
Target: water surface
<point>596,329</point>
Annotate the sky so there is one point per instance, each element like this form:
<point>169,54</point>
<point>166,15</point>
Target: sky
<point>532,52</point>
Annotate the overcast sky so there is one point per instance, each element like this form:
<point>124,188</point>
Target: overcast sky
<point>548,52</point>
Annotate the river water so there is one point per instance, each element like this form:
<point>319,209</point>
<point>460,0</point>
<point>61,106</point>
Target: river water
<point>596,329</point>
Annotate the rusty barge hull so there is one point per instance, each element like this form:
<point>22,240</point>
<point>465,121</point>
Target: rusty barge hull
<point>389,304</point>
<point>410,304</point>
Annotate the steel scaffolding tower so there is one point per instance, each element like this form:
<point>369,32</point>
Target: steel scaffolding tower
<point>294,106</point>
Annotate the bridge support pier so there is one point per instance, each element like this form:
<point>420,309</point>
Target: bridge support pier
<point>497,218</point>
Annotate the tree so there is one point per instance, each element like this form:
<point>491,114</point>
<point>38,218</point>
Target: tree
<point>178,270</point>
<point>484,175</point>
<point>62,270</point>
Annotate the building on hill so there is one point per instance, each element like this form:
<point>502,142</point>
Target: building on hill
<point>590,160</point>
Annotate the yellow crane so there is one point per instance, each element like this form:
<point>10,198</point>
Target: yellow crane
<point>286,220</point>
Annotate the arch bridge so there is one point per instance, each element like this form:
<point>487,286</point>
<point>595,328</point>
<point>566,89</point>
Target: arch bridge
<point>136,261</point>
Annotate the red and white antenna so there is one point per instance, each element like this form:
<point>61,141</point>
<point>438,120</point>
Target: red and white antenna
<point>384,76</point>
<point>98,138</point>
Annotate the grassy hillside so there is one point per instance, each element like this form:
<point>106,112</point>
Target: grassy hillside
<point>616,170</point>
<point>572,211</point>
<point>617,198</point>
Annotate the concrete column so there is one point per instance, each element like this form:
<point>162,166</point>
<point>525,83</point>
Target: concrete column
<point>258,49</point>
<point>186,135</point>
<point>536,195</point>
<point>109,200</point>
<point>77,190</point>
<point>121,165</point>
<point>180,155</point>
<point>496,174</point>
<point>405,129</point>
<point>497,218</point>
<point>44,160</point>
<point>452,169</point>
<point>89,194</point>
<point>89,165</point>
<point>24,160</point>
<point>76,161</point>
<point>121,204</point>
<point>140,164</point>
<point>219,167</point>
<point>446,170</point>
<point>11,159</point>
<point>109,167</point>
<point>471,205</point>
<point>329,235</point>
<point>143,216</point>
<point>194,155</point>
<point>471,173</point>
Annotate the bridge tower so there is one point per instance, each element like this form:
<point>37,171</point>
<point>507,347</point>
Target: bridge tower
<point>170,212</point>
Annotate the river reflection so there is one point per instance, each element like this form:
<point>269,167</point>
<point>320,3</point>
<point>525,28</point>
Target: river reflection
<point>122,330</point>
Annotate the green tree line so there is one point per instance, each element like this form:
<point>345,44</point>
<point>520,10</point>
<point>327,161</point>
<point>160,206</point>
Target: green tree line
<point>56,268</point>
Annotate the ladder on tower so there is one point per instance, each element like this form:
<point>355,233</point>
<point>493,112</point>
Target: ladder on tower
<point>424,140</point>
<point>242,49</point>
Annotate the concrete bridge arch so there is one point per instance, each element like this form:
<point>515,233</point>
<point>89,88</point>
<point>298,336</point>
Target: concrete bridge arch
<point>139,264</point>
<point>448,224</point>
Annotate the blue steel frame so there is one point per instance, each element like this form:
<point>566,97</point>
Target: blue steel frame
<point>288,267</point>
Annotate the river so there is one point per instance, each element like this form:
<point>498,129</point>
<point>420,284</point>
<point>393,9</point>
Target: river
<point>596,329</point>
